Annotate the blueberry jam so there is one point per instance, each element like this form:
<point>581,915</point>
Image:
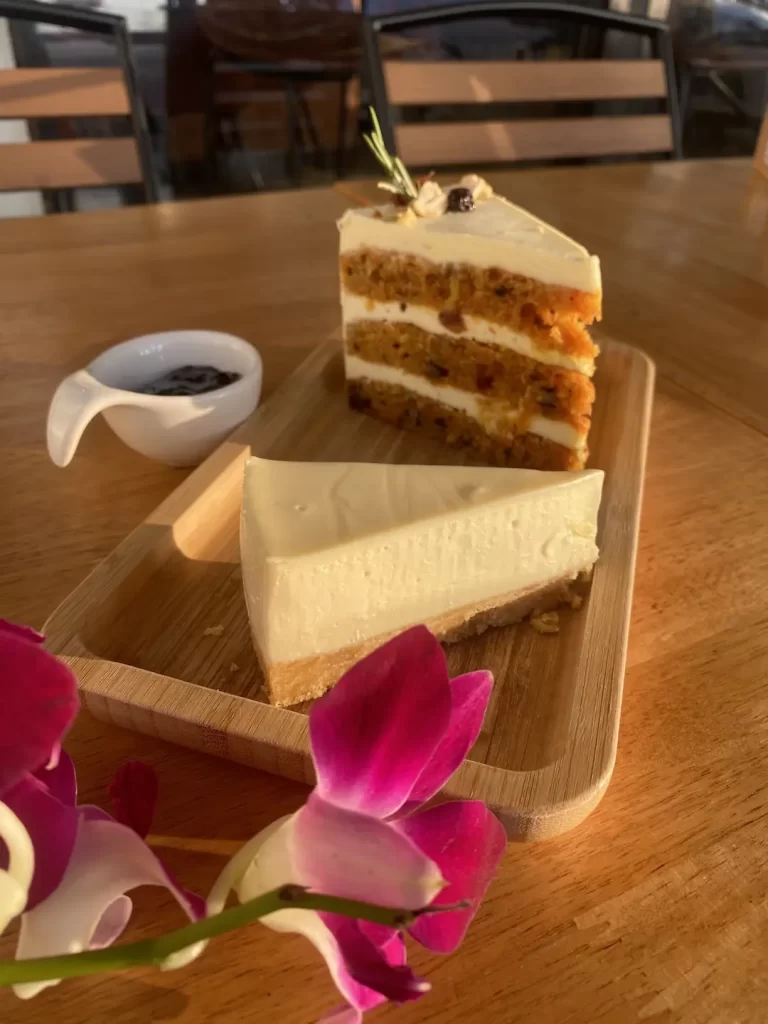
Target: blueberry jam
<point>189,380</point>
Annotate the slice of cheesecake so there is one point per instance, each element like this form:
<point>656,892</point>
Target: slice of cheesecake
<point>338,557</point>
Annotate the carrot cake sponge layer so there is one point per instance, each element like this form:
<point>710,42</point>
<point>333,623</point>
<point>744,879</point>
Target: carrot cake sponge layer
<point>459,306</point>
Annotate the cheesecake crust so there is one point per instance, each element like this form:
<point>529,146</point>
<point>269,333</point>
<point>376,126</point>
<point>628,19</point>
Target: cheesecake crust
<point>296,681</point>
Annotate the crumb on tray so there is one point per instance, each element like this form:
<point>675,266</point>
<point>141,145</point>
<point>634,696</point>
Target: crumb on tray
<point>213,631</point>
<point>234,667</point>
<point>546,622</point>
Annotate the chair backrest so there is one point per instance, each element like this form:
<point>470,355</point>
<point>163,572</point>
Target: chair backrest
<point>411,83</point>
<point>66,93</point>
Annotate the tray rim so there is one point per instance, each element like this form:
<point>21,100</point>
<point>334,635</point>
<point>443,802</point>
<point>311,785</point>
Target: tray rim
<point>156,696</point>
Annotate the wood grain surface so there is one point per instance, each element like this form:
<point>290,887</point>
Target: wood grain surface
<point>656,907</point>
<point>62,92</point>
<point>158,635</point>
<point>68,163</point>
<point>487,81</point>
<point>505,141</point>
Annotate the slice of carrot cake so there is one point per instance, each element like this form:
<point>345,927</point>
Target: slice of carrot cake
<point>466,316</point>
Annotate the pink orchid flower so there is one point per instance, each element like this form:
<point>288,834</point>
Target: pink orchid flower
<point>65,869</point>
<point>384,741</point>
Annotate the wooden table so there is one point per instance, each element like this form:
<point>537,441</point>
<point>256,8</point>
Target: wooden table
<point>656,908</point>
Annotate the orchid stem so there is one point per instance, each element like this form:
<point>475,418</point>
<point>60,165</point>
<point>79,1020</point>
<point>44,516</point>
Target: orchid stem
<point>156,951</point>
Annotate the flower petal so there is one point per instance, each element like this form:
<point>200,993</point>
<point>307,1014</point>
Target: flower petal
<point>379,934</point>
<point>373,734</point>
<point>17,868</point>
<point>469,699</point>
<point>60,779</point>
<point>265,863</point>
<point>256,868</point>
<point>343,853</point>
<point>112,923</point>
<point>365,973</point>
<point>20,632</point>
<point>380,969</point>
<point>310,924</point>
<point>134,796</point>
<point>344,972</point>
<point>466,841</point>
<point>52,827</point>
<point>39,702</point>
<point>89,906</point>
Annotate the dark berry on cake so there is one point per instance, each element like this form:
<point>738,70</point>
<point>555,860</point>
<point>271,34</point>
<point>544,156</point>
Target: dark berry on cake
<point>460,200</point>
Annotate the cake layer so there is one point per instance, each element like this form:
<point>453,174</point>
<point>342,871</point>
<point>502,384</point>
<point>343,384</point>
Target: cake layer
<point>410,411</point>
<point>551,316</point>
<point>303,679</point>
<point>496,233</point>
<point>493,415</point>
<point>338,553</point>
<point>493,373</point>
<point>357,307</point>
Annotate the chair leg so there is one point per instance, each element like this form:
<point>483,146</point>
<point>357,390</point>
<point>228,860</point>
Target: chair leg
<point>237,141</point>
<point>341,137</point>
<point>132,195</point>
<point>295,156</point>
<point>308,125</point>
<point>683,95</point>
<point>728,94</point>
<point>59,200</point>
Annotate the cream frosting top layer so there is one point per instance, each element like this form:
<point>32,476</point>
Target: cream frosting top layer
<point>495,234</point>
<point>310,507</point>
<point>335,553</point>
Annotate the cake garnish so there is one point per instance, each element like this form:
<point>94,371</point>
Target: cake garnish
<point>460,200</point>
<point>478,186</point>
<point>423,197</point>
<point>400,183</point>
<point>431,200</point>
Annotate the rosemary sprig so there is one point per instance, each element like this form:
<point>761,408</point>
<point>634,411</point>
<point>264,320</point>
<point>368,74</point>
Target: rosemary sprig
<point>400,182</point>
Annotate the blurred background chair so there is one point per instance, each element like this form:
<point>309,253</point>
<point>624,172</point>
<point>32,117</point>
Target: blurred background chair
<point>721,54</point>
<point>305,52</point>
<point>87,126</point>
<point>542,107</point>
<point>251,94</point>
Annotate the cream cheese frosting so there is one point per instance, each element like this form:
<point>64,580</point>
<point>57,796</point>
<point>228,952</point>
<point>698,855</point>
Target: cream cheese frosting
<point>336,553</point>
<point>487,411</point>
<point>496,233</point>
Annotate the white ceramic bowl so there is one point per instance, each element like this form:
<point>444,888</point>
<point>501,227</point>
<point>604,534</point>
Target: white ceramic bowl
<point>179,430</point>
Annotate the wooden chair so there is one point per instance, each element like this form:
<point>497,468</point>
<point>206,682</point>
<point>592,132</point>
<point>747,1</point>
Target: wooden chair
<point>32,93</point>
<point>466,83</point>
<point>288,50</point>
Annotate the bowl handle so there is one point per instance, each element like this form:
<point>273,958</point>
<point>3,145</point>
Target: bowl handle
<point>76,401</point>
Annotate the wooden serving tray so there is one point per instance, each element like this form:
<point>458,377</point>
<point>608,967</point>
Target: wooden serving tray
<point>158,634</point>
